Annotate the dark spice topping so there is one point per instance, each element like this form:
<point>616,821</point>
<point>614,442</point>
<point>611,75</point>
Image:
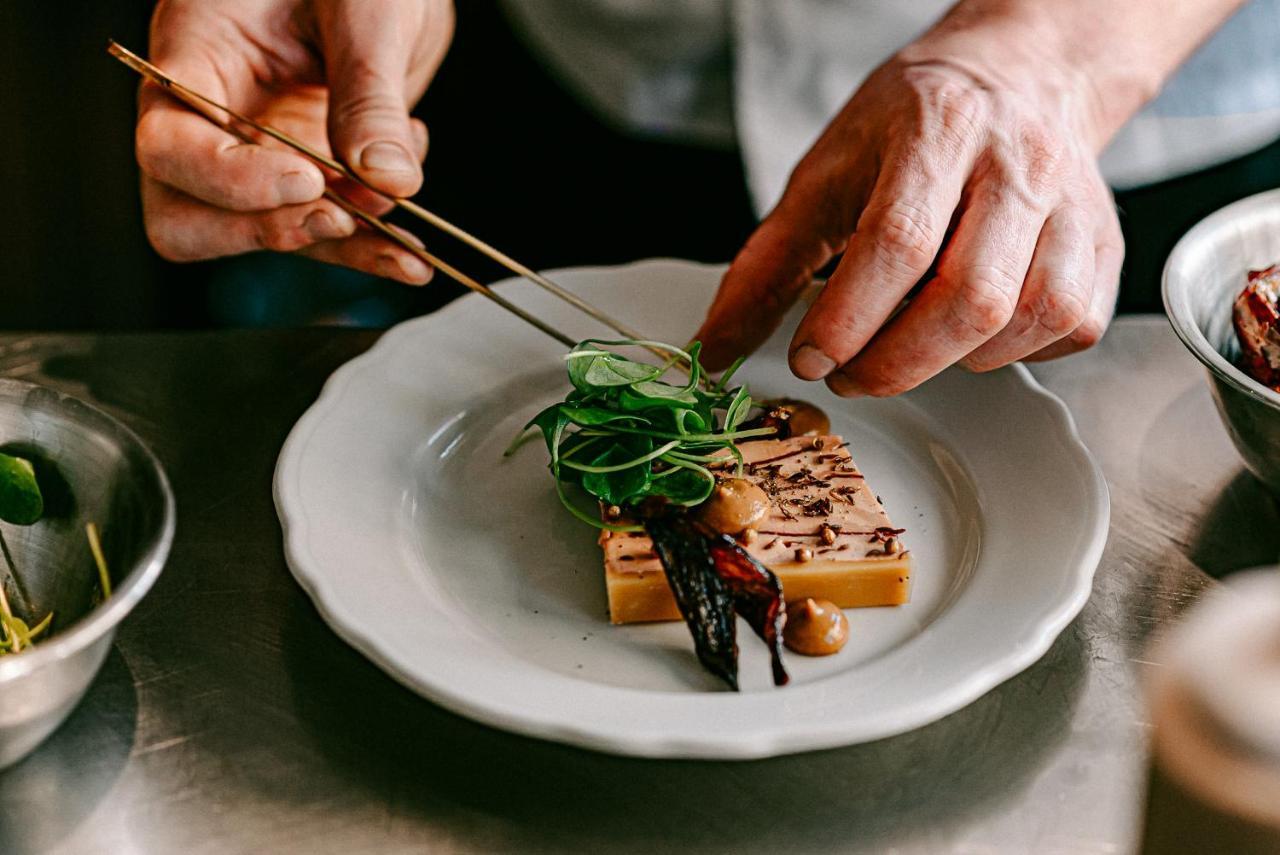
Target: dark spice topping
<point>884,534</point>
<point>789,454</point>
<point>818,508</point>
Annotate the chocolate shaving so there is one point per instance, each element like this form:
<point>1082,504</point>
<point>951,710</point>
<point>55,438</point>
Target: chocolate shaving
<point>789,454</point>
<point>818,508</point>
<point>884,534</point>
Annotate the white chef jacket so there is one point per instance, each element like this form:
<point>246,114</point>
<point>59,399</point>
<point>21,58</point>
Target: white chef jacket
<point>770,74</point>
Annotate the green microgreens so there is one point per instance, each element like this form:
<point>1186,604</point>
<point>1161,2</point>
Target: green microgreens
<point>623,434</point>
<point>22,503</point>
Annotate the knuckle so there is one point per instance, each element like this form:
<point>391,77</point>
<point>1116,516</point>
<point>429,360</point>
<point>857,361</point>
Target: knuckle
<point>877,380</point>
<point>771,301</point>
<point>832,333</point>
<point>280,237</point>
<point>904,236</point>
<point>1043,155</point>
<point>366,107</point>
<point>983,302</point>
<point>980,363</point>
<point>962,112</point>
<point>1088,333</point>
<point>1061,308</point>
<point>953,109</point>
<point>369,97</point>
<point>953,99</point>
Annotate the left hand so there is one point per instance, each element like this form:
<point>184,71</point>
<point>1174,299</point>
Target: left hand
<point>951,155</point>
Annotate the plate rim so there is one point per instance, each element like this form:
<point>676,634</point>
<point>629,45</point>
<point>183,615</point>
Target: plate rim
<point>1014,660</point>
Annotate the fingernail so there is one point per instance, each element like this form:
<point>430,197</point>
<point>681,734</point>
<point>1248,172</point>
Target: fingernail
<point>809,363</point>
<point>327,225</point>
<point>295,188</point>
<point>405,268</point>
<point>387,157</point>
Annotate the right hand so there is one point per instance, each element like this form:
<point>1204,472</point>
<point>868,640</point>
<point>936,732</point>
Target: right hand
<point>340,75</point>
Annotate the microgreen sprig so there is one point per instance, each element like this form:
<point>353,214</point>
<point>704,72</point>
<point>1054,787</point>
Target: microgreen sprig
<point>623,434</point>
<point>22,503</point>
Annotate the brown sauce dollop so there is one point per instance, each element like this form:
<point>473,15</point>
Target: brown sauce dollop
<point>734,505</point>
<point>815,627</point>
<point>806,419</point>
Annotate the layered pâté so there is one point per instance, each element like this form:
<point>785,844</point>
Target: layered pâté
<point>713,507</point>
<point>825,534</point>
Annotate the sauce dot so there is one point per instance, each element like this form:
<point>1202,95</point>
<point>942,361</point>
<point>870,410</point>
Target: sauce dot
<point>806,419</point>
<point>815,627</point>
<point>734,505</point>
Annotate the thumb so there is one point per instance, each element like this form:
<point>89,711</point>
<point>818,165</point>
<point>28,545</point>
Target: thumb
<point>773,268</point>
<point>366,61</point>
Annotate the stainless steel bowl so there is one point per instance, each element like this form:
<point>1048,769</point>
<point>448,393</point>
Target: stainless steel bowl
<point>1205,272</point>
<point>94,470</point>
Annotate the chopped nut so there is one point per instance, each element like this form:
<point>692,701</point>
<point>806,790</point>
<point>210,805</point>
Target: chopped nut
<point>803,554</point>
<point>891,546</point>
<point>612,512</point>
<point>749,536</point>
<point>827,534</point>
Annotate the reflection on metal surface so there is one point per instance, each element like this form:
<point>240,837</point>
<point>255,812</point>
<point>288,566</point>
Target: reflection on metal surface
<point>46,797</point>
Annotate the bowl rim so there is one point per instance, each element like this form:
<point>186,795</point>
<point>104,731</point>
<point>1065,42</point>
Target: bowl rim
<point>1176,308</point>
<point>101,620</point>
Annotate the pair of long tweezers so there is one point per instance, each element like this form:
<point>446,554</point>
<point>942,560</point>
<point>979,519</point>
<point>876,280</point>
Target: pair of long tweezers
<point>206,107</point>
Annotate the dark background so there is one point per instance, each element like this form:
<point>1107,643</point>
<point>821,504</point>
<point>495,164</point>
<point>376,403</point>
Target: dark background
<point>513,158</point>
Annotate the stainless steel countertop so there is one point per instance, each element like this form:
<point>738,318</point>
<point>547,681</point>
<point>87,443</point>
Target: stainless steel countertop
<point>228,718</point>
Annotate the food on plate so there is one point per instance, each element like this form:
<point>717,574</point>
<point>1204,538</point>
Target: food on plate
<point>815,627</point>
<point>824,533</point>
<point>735,505</point>
<point>1257,321</point>
<point>22,503</point>
<point>803,418</point>
<point>711,578</point>
<point>706,511</point>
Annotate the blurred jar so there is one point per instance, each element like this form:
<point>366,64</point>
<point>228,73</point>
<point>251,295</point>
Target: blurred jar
<point>1214,700</point>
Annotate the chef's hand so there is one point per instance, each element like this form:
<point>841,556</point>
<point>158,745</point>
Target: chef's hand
<point>974,148</point>
<point>340,74</point>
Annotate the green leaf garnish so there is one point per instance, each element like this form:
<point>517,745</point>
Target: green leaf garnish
<point>16,634</point>
<point>617,474</point>
<point>20,500</point>
<point>624,433</point>
<point>684,485</point>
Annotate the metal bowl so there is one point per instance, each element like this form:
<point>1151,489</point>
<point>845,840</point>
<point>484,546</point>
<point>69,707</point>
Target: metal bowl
<point>91,469</point>
<point>1204,274</point>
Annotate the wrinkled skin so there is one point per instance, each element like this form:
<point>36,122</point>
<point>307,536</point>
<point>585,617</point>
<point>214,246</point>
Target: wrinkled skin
<point>339,74</point>
<point>932,159</point>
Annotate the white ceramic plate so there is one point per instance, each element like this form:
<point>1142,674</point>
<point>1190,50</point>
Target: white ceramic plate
<point>459,573</point>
